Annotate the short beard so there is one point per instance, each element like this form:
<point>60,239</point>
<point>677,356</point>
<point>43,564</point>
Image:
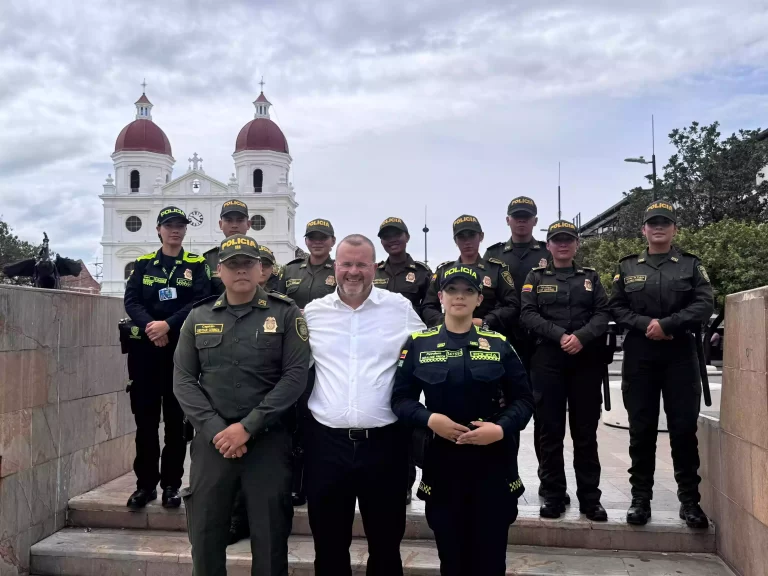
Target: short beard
<point>365,289</point>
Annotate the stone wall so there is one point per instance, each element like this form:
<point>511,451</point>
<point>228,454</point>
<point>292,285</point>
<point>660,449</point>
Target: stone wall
<point>734,450</point>
<point>65,419</point>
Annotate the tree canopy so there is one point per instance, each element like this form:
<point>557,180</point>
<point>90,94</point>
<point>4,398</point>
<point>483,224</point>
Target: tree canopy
<point>12,249</point>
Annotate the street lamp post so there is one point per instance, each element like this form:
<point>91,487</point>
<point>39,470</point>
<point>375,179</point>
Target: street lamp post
<point>652,161</point>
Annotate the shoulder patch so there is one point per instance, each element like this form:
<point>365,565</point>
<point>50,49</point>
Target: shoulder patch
<point>189,257</point>
<point>491,334</point>
<point>210,298</point>
<point>427,332</point>
<point>280,296</point>
<point>628,256</point>
<point>150,256</point>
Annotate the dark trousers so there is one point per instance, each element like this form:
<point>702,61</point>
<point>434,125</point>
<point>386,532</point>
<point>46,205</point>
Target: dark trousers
<point>373,471</point>
<point>151,371</point>
<point>469,508</point>
<point>264,473</point>
<point>668,369</point>
<point>561,379</point>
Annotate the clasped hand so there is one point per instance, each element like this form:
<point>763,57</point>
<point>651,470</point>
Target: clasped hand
<point>157,332</point>
<point>570,344</point>
<point>231,441</point>
<point>655,331</point>
<point>485,433</point>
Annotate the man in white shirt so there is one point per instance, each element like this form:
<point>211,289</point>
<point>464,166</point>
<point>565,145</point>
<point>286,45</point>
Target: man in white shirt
<point>355,449</point>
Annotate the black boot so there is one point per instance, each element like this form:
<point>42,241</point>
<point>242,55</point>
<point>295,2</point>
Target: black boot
<point>594,512</point>
<point>171,498</point>
<point>639,511</point>
<point>298,499</point>
<point>140,498</point>
<point>566,500</point>
<point>238,531</point>
<point>693,515</point>
<point>552,508</point>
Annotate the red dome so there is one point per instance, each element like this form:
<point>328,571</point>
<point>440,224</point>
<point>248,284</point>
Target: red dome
<point>261,134</point>
<point>143,136</point>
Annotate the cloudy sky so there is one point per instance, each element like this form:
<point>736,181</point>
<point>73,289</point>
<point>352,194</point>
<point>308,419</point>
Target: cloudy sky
<point>388,107</point>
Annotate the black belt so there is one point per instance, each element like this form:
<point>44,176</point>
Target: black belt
<point>358,434</point>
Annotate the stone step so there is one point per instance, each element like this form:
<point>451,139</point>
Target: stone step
<point>664,533</point>
<point>80,552</point>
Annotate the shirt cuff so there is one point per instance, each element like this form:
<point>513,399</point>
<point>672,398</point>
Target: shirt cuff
<point>254,422</point>
<point>667,325</point>
<point>584,336</point>
<point>422,417</point>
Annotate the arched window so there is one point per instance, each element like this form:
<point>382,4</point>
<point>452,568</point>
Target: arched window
<point>167,178</point>
<point>258,180</point>
<point>129,269</point>
<point>258,222</point>
<point>135,180</point>
<point>133,223</point>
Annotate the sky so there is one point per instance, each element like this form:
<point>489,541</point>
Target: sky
<point>388,107</point>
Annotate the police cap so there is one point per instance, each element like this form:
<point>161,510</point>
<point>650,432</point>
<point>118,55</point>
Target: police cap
<point>319,225</point>
<point>236,245</point>
<point>562,227</point>
<point>171,212</point>
<point>234,205</point>
<point>660,208</point>
<point>266,254</point>
<point>393,222</point>
<point>465,222</point>
<point>460,272</point>
<point>522,204</point>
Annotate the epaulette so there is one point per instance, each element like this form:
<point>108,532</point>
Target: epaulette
<point>280,296</point>
<point>214,249</point>
<point>490,334</point>
<point>422,265</point>
<point>295,261</point>
<point>684,253</point>
<point>587,268</point>
<point>627,256</point>
<point>497,245</point>
<point>538,268</point>
<point>381,264</point>
<point>210,298</point>
<point>150,256</point>
<point>426,332</point>
<point>189,257</point>
<point>446,263</point>
<point>496,261</point>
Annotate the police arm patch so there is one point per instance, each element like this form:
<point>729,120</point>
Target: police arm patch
<point>527,287</point>
<point>703,272</point>
<point>508,278</point>
<point>301,329</point>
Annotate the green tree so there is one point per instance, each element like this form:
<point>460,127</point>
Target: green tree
<point>735,255</point>
<point>12,249</point>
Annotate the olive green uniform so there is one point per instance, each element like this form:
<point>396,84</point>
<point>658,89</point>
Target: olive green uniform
<point>244,364</point>
<point>411,280</point>
<point>304,282</point>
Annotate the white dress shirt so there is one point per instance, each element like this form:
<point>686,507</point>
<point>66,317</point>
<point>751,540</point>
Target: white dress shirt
<point>356,354</point>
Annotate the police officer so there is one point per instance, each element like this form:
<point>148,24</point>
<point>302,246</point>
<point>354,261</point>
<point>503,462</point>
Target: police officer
<point>402,274</point>
<point>158,297</point>
<point>661,295</point>
<point>241,364</point>
<point>233,220</point>
<point>268,277</point>
<point>305,279</point>
<point>566,309</point>
<point>500,305</point>
<point>470,480</point>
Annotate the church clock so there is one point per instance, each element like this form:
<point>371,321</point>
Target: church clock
<point>196,218</point>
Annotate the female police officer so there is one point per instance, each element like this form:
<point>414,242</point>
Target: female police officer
<point>470,481</point>
<point>158,297</point>
<point>566,309</point>
<point>661,296</point>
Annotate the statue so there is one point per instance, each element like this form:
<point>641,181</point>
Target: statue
<point>45,271</point>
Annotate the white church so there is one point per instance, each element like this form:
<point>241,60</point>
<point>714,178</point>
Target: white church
<point>144,184</point>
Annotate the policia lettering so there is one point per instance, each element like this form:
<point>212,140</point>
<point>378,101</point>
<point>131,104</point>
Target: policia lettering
<point>466,383</point>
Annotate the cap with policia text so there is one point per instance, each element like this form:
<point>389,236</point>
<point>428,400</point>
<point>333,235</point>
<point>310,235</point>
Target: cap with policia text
<point>562,227</point>
<point>234,206</point>
<point>319,225</point>
<point>266,254</point>
<point>395,223</point>
<point>171,212</point>
<point>461,273</point>
<point>522,204</point>
<point>465,222</point>
<point>660,208</point>
<point>236,245</point>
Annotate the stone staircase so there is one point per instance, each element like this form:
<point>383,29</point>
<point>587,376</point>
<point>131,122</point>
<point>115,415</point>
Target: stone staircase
<point>105,538</point>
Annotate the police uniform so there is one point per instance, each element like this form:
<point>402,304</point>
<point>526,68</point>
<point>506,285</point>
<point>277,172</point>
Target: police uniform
<point>304,282</point>
<point>211,256</point>
<point>268,255</point>
<point>410,279</point>
<point>471,491</point>
<point>160,287</point>
<point>674,289</point>
<point>501,305</point>
<point>247,364</point>
<point>557,302</point>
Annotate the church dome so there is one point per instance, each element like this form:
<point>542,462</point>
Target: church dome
<point>143,136</point>
<point>261,133</point>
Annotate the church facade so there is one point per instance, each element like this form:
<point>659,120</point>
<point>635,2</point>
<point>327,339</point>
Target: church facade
<point>144,184</point>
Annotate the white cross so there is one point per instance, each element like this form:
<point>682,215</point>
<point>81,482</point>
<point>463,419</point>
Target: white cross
<point>144,86</point>
<point>262,83</point>
<point>195,160</point>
